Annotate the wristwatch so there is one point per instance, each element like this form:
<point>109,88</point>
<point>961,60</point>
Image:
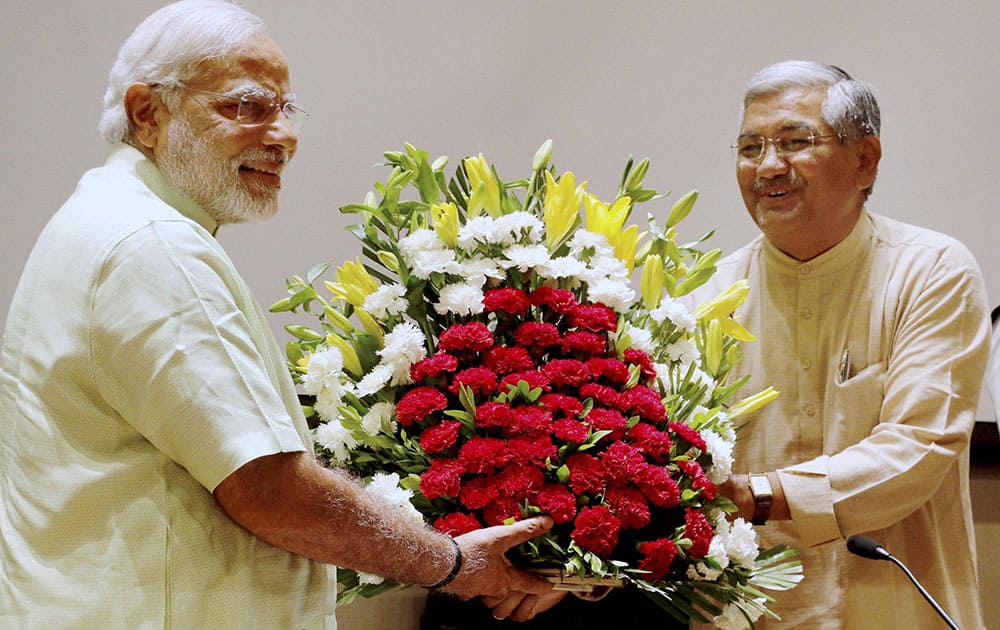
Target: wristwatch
<point>760,489</point>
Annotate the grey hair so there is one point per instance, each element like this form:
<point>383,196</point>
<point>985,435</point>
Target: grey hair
<point>166,49</point>
<point>850,106</point>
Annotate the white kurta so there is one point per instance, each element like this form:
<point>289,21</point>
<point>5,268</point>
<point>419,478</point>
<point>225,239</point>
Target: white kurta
<point>137,373</point>
<point>878,347</point>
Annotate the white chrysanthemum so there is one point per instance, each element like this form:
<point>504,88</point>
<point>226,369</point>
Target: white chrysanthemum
<point>717,552</point>
<point>583,241</point>
<point>562,267</point>
<point>478,269</point>
<point>683,350</point>
<point>325,368</point>
<point>732,617</point>
<point>518,227</point>
<point>379,415</point>
<point>460,299</point>
<point>525,257</point>
<point>618,295</point>
<point>386,486</point>
<point>418,241</point>
<point>702,378</point>
<point>606,266</point>
<point>741,543</point>
<point>403,346</point>
<point>722,456</point>
<point>430,261</point>
<point>676,312</point>
<point>386,301</point>
<point>641,339</point>
<point>335,438</point>
<point>327,403</point>
<point>375,380</point>
<point>476,231</point>
<point>662,374</point>
<point>369,578</point>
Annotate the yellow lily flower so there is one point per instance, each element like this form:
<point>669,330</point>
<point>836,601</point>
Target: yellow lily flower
<point>652,281</point>
<point>753,403</point>
<point>351,361</point>
<point>484,187</point>
<point>444,217</point>
<point>561,208</point>
<point>625,248</point>
<point>736,330</point>
<point>353,283</point>
<point>370,325</point>
<point>607,219</point>
<point>713,347</point>
<point>724,303</point>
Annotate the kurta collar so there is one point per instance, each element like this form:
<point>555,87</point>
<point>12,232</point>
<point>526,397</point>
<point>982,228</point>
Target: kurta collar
<point>842,255</point>
<point>132,159</point>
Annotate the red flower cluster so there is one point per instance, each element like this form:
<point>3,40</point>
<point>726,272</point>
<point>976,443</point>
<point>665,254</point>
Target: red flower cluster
<point>587,442</point>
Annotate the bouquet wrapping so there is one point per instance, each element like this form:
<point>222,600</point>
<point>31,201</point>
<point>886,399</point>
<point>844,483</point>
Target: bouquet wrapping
<point>489,357</point>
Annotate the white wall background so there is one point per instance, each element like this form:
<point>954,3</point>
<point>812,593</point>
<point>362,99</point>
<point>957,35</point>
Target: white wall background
<point>604,80</point>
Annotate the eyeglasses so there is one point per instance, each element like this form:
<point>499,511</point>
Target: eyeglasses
<point>254,108</point>
<point>753,148</point>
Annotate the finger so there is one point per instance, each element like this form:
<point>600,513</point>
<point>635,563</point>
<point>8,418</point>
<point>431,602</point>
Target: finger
<point>523,531</point>
<point>508,605</point>
<point>528,582</point>
<point>525,609</point>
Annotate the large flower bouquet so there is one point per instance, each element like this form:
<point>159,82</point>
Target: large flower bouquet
<point>488,359</point>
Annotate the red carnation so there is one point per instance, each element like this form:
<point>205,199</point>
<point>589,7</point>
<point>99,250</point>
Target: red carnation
<point>483,455</point>
<point>418,403</point>
<point>644,402</point>
<point>658,486</point>
<point>635,356</point>
<point>699,530</point>
<point>603,419</point>
<point>559,301</point>
<point>529,421</point>
<point>571,431</point>
<point>473,336</point>
<point>594,317</point>
<point>478,492</point>
<point>519,481</point>
<point>539,335</point>
<point>440,363</point>
<point>504,360</point>
<point>623,462</point>
<point>607,396</point>
<point>440,437</point>
<point>566,372</point>
<point>585,343</point>
<point>611,370</point>
<point>699,480</point>
<point>586,474</point>
<point>629,505</point>
<point>457,523</point>
<point>556,501</point>
<point>533,378</point>
<point>528,450</point>
<point>651,441</point>
<point>482,381</point>
<point>493,414</point>
<point>560,405</point>
<point>512,301</point>
<point>685,432</point>
<point>443,478</point>
<point>659,555</point>
<point>596,529</point>
<point>498,512</point>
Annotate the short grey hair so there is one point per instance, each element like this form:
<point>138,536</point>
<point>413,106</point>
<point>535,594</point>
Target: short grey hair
<point>166,49</point>
<point>850,106</point>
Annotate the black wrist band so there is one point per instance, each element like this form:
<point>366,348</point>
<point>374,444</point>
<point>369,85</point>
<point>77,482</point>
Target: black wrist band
<point>454,569</point>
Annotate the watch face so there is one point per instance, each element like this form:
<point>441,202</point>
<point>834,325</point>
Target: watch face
<point>760,485</point>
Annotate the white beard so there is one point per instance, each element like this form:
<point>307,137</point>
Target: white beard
<point>192,164</point>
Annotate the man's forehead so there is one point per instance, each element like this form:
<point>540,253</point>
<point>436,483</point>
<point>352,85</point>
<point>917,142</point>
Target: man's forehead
<point>787,110</point>
<point>258,63</point>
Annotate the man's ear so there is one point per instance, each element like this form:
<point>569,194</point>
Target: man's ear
<point>869,154</point>
<point>147,115</point>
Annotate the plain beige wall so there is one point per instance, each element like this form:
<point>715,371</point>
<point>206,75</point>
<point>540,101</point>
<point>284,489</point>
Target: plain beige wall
<point>604,80</point>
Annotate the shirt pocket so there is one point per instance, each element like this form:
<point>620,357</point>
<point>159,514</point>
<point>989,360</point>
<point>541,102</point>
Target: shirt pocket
<point>853,408</point>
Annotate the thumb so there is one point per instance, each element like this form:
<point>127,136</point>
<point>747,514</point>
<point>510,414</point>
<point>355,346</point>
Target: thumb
<point>523,531</point>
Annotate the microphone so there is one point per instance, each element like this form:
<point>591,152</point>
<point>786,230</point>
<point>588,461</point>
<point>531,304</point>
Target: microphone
<point>867,548</point>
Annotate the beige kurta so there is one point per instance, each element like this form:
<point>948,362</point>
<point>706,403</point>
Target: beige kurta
<point>878,347</point>
<point>138,372</point>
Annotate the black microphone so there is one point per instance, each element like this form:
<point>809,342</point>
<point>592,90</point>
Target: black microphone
<point>867,548</point>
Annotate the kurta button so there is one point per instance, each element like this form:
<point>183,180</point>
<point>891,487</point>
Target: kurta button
<point>806,313</point>
<point>810,410</point>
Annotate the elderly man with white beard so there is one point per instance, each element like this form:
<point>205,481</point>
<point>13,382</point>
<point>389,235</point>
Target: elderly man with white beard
<point>156,467</point>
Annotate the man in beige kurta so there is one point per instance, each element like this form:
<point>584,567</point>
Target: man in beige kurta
<point>876,334</point>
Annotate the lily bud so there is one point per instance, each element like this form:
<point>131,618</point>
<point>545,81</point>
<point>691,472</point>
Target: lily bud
<point>682,208</point>
<point>753,403</point>
<point>652,281</point>
<point>542,155</point>
<point>713,347</point>
<point>351,361</point>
